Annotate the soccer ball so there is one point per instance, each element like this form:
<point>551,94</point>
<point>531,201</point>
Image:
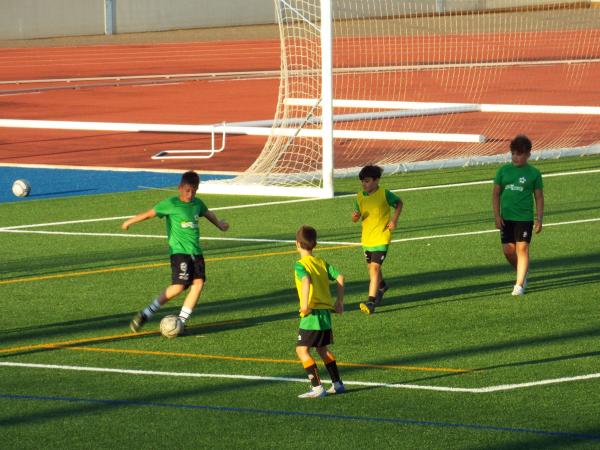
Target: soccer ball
<point>171,326</point>
<point>21,188</point>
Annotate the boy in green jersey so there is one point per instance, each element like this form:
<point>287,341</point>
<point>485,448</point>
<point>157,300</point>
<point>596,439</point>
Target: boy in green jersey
<point>312,276</point>
<point>187,263</point>
<point>372,206</point>
<point>515,186</point>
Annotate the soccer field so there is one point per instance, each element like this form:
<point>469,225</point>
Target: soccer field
<point>450,360</point>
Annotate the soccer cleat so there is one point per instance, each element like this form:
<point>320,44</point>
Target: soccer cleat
<point>336,388</point>
<point>367,307</point>
<point>379,295</point>
<point>137,322</point>
<point>518,290</point>
<point>317,392</point>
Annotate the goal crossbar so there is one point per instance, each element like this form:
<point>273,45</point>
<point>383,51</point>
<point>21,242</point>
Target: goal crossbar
<point>468,107</point>
<point>249,131</point>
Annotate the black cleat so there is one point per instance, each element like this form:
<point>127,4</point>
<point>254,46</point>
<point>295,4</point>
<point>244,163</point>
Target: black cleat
<point>137,322</point>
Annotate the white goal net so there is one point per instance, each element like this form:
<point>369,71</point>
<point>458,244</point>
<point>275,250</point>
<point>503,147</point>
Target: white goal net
<point>428,83</point>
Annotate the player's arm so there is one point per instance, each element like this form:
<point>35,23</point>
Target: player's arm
<point>212,218</point>
<point>394,222</point>
<point>139,218</point>
<point>356,212</point>
<point>396,202</point>
<point>539,209</point>
<point>496,206</point>
<point>304,293</point>
<point>339,303</point>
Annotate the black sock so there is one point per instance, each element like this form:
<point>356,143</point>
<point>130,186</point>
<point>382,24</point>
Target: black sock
<point>382,285</point>
<point>333,371</point>
<point>313,375</point>
<point>371,299</point>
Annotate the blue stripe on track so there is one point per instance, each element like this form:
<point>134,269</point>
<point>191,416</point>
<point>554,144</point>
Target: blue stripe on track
<point>397,421</point>
<point>52,183</point>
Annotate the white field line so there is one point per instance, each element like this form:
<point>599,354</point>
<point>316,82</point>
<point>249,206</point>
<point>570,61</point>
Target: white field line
<point>483,390</point>
<point>280,241</point>
<point>298,200</point>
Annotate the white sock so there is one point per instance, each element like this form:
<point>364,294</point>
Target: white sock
<point>184,314</point>
<point>151,308</point>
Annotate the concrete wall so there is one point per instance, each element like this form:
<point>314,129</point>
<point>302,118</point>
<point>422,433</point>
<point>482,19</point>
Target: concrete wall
<point>25,19</point>
<point>157,15</point>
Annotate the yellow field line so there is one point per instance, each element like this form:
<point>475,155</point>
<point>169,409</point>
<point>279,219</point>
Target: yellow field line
<point>104,338</point>
<point>153,266</point>
<point>263,360</point>
<point>71,345</point>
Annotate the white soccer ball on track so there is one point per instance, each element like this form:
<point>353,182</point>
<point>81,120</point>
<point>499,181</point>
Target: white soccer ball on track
<point>171,326</point>
<point>21,188</point>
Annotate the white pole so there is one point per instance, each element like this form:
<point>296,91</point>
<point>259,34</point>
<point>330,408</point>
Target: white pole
<point>109,17</point>
<point>327,96</point>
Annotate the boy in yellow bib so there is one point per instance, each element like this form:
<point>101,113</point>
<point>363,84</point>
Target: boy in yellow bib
<point>312,276</point>
<point>372,206</point>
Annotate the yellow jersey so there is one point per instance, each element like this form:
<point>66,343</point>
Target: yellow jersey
<point>320,273</point>
<point>374,210</point>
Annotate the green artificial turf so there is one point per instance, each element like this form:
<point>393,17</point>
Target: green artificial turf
<point>449,307</point>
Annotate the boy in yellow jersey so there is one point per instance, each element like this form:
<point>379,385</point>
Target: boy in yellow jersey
<point>312,275</point>
<point>372,205</point>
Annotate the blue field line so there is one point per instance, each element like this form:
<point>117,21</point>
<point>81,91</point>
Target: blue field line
<point>52,183</point>
<point>397,421</point>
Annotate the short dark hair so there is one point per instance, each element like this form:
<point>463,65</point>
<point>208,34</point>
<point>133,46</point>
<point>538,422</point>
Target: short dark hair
<point>190,178</point>
<point>370,171</point>
<point>520,144</point>
<point>306,237</point>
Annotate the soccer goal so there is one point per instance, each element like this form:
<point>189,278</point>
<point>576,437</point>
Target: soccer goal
<point>430,83</point>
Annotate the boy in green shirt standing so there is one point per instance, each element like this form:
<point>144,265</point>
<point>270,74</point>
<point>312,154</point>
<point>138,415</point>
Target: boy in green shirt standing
<point>187,263</point>
<point>312,275</point>
<point>515,186</point>
<point>372,205</point>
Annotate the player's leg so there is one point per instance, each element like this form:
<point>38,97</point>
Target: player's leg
<point>376,284</point>
<point>332,368</point>
<point>305,340</point>
<point>510,253</point>
<point>198,279</point>
<point>191,299</point>
<point>382,287</point>
<point>523,231</point>
<point>522,250</point>
<point>180,276</point>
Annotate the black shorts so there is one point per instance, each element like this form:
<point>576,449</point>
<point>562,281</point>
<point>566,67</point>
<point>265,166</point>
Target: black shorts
<point>187,268</point>
<point>314,338</point>
<point>515,231</point>
<point>375,257</point>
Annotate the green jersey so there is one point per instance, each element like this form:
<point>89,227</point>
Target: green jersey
<point>518,184</point>
<point>183,231</point>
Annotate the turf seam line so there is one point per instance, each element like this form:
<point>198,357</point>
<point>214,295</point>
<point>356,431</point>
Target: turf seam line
<point>390,420</point>
<point>335,246</point>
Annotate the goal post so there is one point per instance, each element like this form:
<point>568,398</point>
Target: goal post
<point>425,83</point>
